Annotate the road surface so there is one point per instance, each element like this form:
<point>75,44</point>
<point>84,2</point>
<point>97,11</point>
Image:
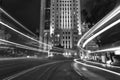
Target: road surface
<point>92,72</point>
<point>37,69</point>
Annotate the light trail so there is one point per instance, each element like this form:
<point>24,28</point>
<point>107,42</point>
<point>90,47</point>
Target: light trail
<point>99,24</point>
<point>75,60</point>
<point>108,49</point>
<point>102,64</point>
<point>23,34</point>
<point>105,19</point>
<point>23,46</point>
<point>16,21</point>
<point>100,32</point>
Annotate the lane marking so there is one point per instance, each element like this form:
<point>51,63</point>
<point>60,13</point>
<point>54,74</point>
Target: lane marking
<point>75,60</point>
<point>28,70</point>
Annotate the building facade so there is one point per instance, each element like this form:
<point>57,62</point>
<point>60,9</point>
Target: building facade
<point>65,24</point>
<point>42,21</point>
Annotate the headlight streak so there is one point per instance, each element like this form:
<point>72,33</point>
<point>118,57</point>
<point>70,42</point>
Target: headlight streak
<point>22,27</point>
<point>105,19</point>
<point>99,24</point>
<point>104,65</point>
<point>23,34</point>
<point>27,35</point>
<point>100,32</point>
<point>16,21</point>
<point>116,73</point>
<point>106,50</point>
<point>23,46</point>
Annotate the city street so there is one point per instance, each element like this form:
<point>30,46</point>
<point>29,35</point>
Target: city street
<point>48,69</point>
<point>59,39</point>
<point>12,66</point>
<point>34,69</point>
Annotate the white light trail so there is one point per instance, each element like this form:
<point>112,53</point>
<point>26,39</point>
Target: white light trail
<point>105,20</point>
<point>108,49</point>
<point>16,21</point>
<point>100,23</point>
<point>102,64</point>
<point>113,72</point>
<point>100,32</point>
<point>23,46</point>
<point>23,34</point>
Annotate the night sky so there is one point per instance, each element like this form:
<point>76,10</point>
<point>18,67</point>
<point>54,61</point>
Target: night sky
<point>28,11</point>
<point>25,11</point>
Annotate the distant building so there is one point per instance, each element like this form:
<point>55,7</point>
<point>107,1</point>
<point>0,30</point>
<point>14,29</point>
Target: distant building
<point>65,23</point>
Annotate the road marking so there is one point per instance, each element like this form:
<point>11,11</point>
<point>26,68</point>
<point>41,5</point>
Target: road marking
<point>28,70</point>
<point>75,60</point>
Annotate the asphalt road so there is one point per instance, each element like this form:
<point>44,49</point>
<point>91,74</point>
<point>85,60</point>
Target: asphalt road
<point>38,69</point>
<point>12,66</point>
<point>47,69</point>
<point>56,70</point>
<point>92,72</point>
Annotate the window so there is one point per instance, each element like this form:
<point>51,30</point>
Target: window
<point>53,12</point>
<point>69,37</point>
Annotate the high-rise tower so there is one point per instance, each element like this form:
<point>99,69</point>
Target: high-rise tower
<point>42,19</point>
<point>65,26</point>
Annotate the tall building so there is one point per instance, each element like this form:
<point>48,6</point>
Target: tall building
<point>44,23</point>
<point>65,26</point>
<point>42,20</point>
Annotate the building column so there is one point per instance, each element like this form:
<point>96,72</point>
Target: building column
<point>42,21</point>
